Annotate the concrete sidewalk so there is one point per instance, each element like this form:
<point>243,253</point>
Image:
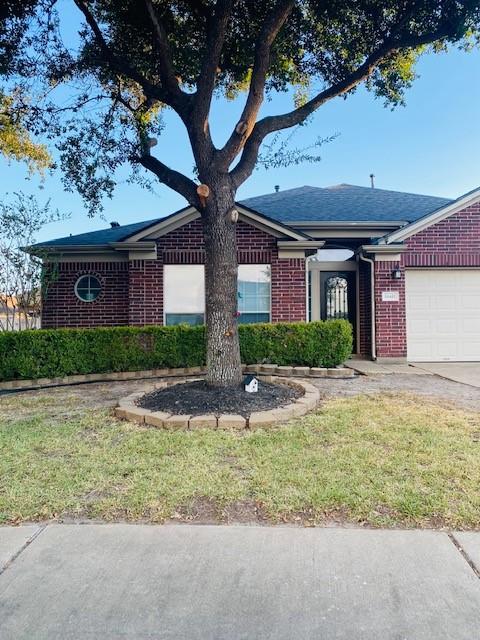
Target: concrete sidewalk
<point>463,372</point>
<point>236,582</point>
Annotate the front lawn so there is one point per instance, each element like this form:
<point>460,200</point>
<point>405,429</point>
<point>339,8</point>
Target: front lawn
<point>384,460</point>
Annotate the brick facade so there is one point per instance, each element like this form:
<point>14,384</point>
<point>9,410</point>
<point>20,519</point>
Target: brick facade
<point>390,321</point>
<point>453,242</point>
<point>145,292</point>
<point>62,308</point>
<point>133,291</point>
<point>288,289</point>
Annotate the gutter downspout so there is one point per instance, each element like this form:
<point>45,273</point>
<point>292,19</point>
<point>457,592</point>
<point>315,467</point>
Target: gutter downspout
<point>372,302</point>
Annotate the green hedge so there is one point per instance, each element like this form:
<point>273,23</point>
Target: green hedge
<point>308,344</point>
<point>44,353</point>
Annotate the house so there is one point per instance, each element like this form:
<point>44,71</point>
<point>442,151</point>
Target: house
<point>404,269</point>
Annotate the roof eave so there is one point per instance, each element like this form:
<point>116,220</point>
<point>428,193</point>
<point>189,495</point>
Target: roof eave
<point>297,244</point>
<point>42,250</point>
<point>183,216</point>
<point>282,227</point>
<point>383,248</point>
<point>126,245</point>
<point>348,224</point>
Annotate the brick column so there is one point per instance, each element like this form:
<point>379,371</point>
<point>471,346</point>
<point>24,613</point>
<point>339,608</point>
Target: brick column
<point>390,317</point>
<point>288,289</point>
<point>365,310</point>
<point>145,292</point>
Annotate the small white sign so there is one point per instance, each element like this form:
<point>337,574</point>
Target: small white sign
<point>390,296</point>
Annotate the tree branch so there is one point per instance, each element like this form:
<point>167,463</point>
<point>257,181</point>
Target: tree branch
<point>121,66</point>
<point>167,73</point>
<point>198,127</point>
<point>216,29</point>
<point>269,31</point>
<point>173,179</point>
<point>270,124</point>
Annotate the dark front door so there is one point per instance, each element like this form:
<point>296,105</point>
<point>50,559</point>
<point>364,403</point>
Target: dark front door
<point>337,296</point>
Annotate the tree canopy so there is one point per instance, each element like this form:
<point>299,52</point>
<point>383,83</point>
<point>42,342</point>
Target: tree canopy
<point>100,94</point>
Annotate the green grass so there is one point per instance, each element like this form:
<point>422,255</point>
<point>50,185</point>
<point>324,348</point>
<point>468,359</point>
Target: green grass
<point>384,460</point>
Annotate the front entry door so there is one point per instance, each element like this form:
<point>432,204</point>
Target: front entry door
<point>337,297</point>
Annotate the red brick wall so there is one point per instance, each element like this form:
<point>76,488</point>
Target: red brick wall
<point>185,245</point>
<point>145,292</point>
<point>390,322</point>
<point>137,297</point>
<point>288,290</point>
<point>62,308</point>
<point>453,242</point>
<point>365,310</point>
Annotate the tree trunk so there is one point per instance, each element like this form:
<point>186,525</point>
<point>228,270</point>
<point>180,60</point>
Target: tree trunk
<point>221,298</point>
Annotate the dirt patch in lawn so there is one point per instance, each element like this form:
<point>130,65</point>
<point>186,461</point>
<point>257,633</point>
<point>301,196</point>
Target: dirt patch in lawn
<point>203,510</point>
<point>196,398</point>
<point>245,512</point>
<point>200,510</point>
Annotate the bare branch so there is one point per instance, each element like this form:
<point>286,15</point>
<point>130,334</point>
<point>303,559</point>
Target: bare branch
<point>199,130</point>
<point>269,31</point>
<point>173,179</point>
<point>270,124</point>
<point>167,73</point>
<point>216,30</point>
<point>122,67</point>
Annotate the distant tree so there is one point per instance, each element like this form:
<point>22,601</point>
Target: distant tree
<point>15,141</point>
<point>22,276</point>
<point>135,59</point>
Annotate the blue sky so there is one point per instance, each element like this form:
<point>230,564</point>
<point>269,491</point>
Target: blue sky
<point>430,146</point>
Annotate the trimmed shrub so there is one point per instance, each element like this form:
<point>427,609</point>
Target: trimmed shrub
<point>51,353</point>
<point>308,344</point>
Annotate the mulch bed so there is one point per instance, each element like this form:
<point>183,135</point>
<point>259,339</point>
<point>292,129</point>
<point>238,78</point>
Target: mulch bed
<point>195,398</point>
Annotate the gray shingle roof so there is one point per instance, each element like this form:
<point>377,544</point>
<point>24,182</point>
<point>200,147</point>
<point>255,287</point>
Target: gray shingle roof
<point>344,202</point>
<point>100,237</point>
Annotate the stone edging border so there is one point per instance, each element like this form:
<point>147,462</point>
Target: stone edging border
<point>301,372</point>
<point>269,369</point>
<point>128,410</point>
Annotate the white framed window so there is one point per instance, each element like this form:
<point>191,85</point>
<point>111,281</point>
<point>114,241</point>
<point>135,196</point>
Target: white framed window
<point>184,293</point>
<point>88,288</point>
<point>254,293</point>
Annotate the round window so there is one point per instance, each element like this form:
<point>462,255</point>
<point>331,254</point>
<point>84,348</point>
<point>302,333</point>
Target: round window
<point>88,288</point>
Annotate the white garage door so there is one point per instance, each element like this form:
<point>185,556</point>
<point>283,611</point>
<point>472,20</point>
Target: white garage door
<point>443,315</point>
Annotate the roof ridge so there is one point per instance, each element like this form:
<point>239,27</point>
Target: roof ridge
<point>275,193</point>
<point>374,189</point>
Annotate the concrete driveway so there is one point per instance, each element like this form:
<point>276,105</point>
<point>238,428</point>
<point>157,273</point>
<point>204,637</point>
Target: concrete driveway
<point>198,582</point>
<point>464,372</point>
